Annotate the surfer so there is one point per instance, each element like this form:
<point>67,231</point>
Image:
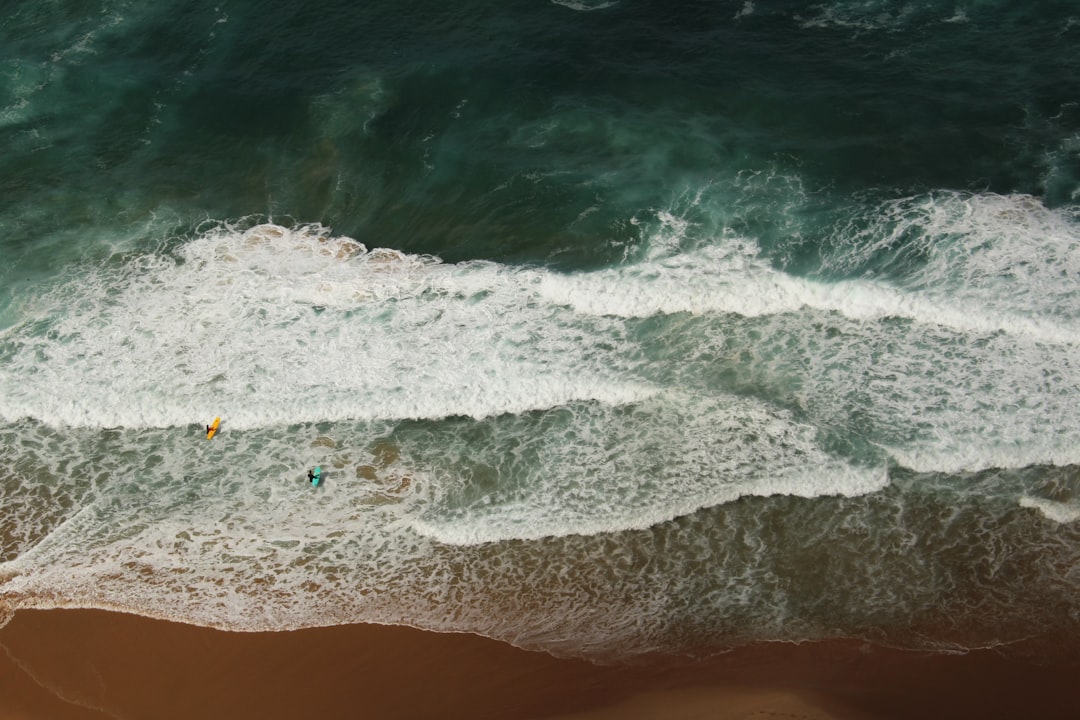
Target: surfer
<point>310,477</point>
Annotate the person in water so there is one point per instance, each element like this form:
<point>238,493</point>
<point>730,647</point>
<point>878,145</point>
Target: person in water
<point>311,477</point>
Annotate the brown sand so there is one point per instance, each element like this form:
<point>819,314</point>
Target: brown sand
<point>81,664</point>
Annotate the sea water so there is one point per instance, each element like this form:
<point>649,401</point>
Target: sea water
<point>615,326</point>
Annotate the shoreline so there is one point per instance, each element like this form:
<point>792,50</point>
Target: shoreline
<point>87,664</point>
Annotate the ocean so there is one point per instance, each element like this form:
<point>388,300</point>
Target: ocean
<point>616,326</point>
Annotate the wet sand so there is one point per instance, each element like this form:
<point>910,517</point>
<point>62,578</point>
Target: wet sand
<point>60,664</point>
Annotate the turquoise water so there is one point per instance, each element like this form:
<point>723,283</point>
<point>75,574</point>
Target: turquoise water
<point>615,327</point>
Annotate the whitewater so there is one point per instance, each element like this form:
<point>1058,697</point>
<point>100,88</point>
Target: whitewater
<point>472,412</point>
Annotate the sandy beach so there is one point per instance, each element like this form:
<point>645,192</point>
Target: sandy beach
<point>60,664</point>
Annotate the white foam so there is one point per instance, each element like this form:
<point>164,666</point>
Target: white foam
<point>1059,512</point>
<point>1007,253</point>
<point>177,523</point>
<point>996,264</point>
<point>952,449</point>
<point>272,326</point>
<point>611,469</point>
<point>935,399</point>
<point>860,15</point>
<point>586,5</point>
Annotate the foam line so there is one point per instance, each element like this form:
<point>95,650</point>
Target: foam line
<point>734,279</point>
<point>529,522</point>
<point>602,469</point>
<point>1059,512</point>
<point>586,5</point>
<point>275,326</point>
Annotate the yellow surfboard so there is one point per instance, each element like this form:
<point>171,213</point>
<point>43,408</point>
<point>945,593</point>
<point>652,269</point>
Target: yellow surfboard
<point>213,428</point>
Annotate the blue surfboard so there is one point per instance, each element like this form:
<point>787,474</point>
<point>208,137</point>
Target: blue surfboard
<point>317,472</point>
